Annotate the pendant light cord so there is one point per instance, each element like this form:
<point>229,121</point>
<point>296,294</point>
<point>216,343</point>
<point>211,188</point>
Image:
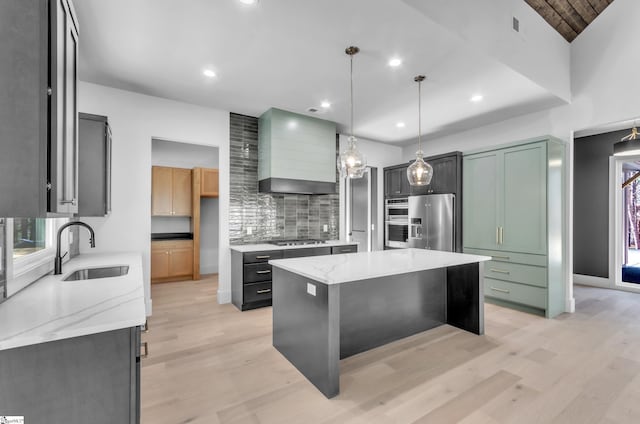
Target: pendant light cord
<point>351,56</point>
<point>419,115</point>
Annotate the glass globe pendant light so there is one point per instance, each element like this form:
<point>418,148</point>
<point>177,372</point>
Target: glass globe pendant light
<point>419,172</point>
<point>351,163</point>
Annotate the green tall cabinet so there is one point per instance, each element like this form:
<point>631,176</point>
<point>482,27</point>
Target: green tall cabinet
<point>514,212</point>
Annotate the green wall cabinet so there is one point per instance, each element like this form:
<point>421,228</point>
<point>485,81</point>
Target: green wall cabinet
<point>514,212</point>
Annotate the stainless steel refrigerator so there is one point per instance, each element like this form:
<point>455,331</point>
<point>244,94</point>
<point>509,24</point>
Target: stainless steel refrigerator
<point>432,222</point>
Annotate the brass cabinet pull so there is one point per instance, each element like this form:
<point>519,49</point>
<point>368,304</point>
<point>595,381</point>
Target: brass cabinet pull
<point>345,250</point>
<point>501,235</point>
<point>497,235</point>
<point>263,257</point>
<point>264,272</point>
<point>145,345</point>
<point>263,291</point>
<point>500,290</point>
<point>506,258</point>
<point>499,271</point>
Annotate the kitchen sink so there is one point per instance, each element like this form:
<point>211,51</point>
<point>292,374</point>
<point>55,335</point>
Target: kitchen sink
<point>93,273</point>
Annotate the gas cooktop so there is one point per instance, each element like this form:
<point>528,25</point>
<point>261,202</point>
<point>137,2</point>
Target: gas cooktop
<point>295,242</point>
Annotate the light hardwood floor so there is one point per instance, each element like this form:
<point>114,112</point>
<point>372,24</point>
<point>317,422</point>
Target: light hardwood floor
<point>210,363</point>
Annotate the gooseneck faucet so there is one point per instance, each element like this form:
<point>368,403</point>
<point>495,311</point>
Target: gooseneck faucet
<point>58,260</point>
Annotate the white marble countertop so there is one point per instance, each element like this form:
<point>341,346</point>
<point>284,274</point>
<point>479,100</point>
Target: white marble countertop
<point>245,248</point>
<point>51,309</point>
<point>337,269</point>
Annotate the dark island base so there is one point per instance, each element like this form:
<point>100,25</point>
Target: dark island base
<point>341,320</point>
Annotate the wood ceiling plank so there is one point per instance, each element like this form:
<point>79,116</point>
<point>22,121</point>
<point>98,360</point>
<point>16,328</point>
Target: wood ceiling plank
<point>598,5</point>
<point>586,11</point>
<point>554,19</point>
<point>568,14</point>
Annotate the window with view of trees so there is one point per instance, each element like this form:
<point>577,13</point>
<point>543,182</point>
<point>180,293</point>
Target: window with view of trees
<point>29,236</point>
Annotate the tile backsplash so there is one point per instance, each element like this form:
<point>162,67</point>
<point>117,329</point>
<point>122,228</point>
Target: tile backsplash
<point>256,217</point>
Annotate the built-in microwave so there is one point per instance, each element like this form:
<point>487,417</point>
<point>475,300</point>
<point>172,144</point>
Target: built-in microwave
<point>396,216</point>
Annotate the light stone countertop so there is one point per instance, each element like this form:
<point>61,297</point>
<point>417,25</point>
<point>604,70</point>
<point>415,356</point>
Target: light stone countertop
<point>51,309</point>
<point>337,269</point>
<point>247,248</point>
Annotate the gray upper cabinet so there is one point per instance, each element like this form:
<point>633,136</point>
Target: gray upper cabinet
<point>94,167</point>
<point>38,112</point>
<point>396,183</point>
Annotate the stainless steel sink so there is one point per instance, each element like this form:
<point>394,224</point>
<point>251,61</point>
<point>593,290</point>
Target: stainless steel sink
<point>93,273</point>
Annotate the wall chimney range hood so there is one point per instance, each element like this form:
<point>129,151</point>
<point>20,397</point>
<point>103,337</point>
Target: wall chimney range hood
<point>296,154</point>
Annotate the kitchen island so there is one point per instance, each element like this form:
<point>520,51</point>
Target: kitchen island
<point>327,308</point>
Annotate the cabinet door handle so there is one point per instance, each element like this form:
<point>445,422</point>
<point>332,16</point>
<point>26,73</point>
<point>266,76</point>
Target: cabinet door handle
<point>145,345</point>
<point>506,258</point>
<point>501,235</point>
<point>497,235</point>
<point>263,257</point>
<point>345,250</point>
<point>263,291</point>
<point>500,290</point>
<point>499,271</point>
<point>268,271</point>
<point>66,202</point>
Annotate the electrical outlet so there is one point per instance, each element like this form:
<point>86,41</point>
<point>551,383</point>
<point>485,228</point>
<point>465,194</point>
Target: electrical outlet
<point>311,289</point>
<point>249,231</point>
<point>325,228</point>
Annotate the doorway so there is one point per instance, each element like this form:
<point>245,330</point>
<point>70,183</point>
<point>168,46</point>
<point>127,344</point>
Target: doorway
<point>625,209</point>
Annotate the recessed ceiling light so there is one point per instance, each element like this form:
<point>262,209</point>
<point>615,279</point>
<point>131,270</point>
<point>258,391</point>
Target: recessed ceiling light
<point>395,62</point>
<point>209,73</point>
<point>325,104</point>
<point>476,98</point>
<point>249,2</point>
<point>400,125</point>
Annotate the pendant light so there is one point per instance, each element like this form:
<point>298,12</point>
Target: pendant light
<point>351,163</point>
<point>629,145</point>
<point>419,172</point>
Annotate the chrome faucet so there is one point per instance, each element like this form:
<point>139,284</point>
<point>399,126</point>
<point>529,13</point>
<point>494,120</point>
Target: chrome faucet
<point>58,260</point>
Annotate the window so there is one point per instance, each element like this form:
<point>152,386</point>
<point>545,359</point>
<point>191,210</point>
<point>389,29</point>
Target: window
<point>29,236</point>
<point>30,250</point>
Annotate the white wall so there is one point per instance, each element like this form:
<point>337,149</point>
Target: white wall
<point>537,52</point>
<point>378,155</point>
<point>186,155</point>
<point>135,120</point>
<point>605,59</point>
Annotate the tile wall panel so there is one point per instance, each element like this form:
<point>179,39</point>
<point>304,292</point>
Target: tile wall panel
<point>271,216</point>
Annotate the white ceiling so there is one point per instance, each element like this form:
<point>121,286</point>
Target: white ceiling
<point>290,54</point>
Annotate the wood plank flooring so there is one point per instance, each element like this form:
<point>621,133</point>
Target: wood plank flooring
<point>210,363</point>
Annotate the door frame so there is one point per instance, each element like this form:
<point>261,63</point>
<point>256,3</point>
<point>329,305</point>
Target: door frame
<point>616,225</point>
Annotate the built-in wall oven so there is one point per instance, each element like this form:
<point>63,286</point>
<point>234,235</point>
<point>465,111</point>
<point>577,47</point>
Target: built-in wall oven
<point>396,217</point>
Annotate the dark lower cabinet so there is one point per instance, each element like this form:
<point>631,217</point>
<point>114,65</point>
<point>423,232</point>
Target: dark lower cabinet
<point>88,379</point>
<point>251,272</point>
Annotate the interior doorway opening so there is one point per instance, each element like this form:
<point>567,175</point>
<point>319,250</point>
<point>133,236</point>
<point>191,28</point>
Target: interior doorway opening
<point>630,219</point>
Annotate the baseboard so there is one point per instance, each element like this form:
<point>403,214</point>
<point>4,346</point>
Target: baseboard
<point>224,297</point>
<point>590,280</point>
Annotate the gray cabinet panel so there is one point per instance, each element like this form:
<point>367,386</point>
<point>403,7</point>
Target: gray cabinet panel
<point>79,380</point>
<point>312,251</point>
<point>38,114</point>
<point>94,140</point>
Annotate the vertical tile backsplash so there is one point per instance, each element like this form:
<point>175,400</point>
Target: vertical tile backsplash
<point>270,216</point>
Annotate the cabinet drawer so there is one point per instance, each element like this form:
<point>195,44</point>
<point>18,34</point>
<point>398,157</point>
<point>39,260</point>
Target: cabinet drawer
<point>256,292</point>
<point>263,256</point>
<point>353,248</point>
<point>514,257</point>
<point>171,244</point>
<point>257,272</point>
<point>307,251</point>
<point>527,274</point>
<point>517,293</point>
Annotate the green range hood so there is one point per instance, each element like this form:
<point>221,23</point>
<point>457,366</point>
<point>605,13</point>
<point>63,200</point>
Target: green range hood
<point>296,154</point>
